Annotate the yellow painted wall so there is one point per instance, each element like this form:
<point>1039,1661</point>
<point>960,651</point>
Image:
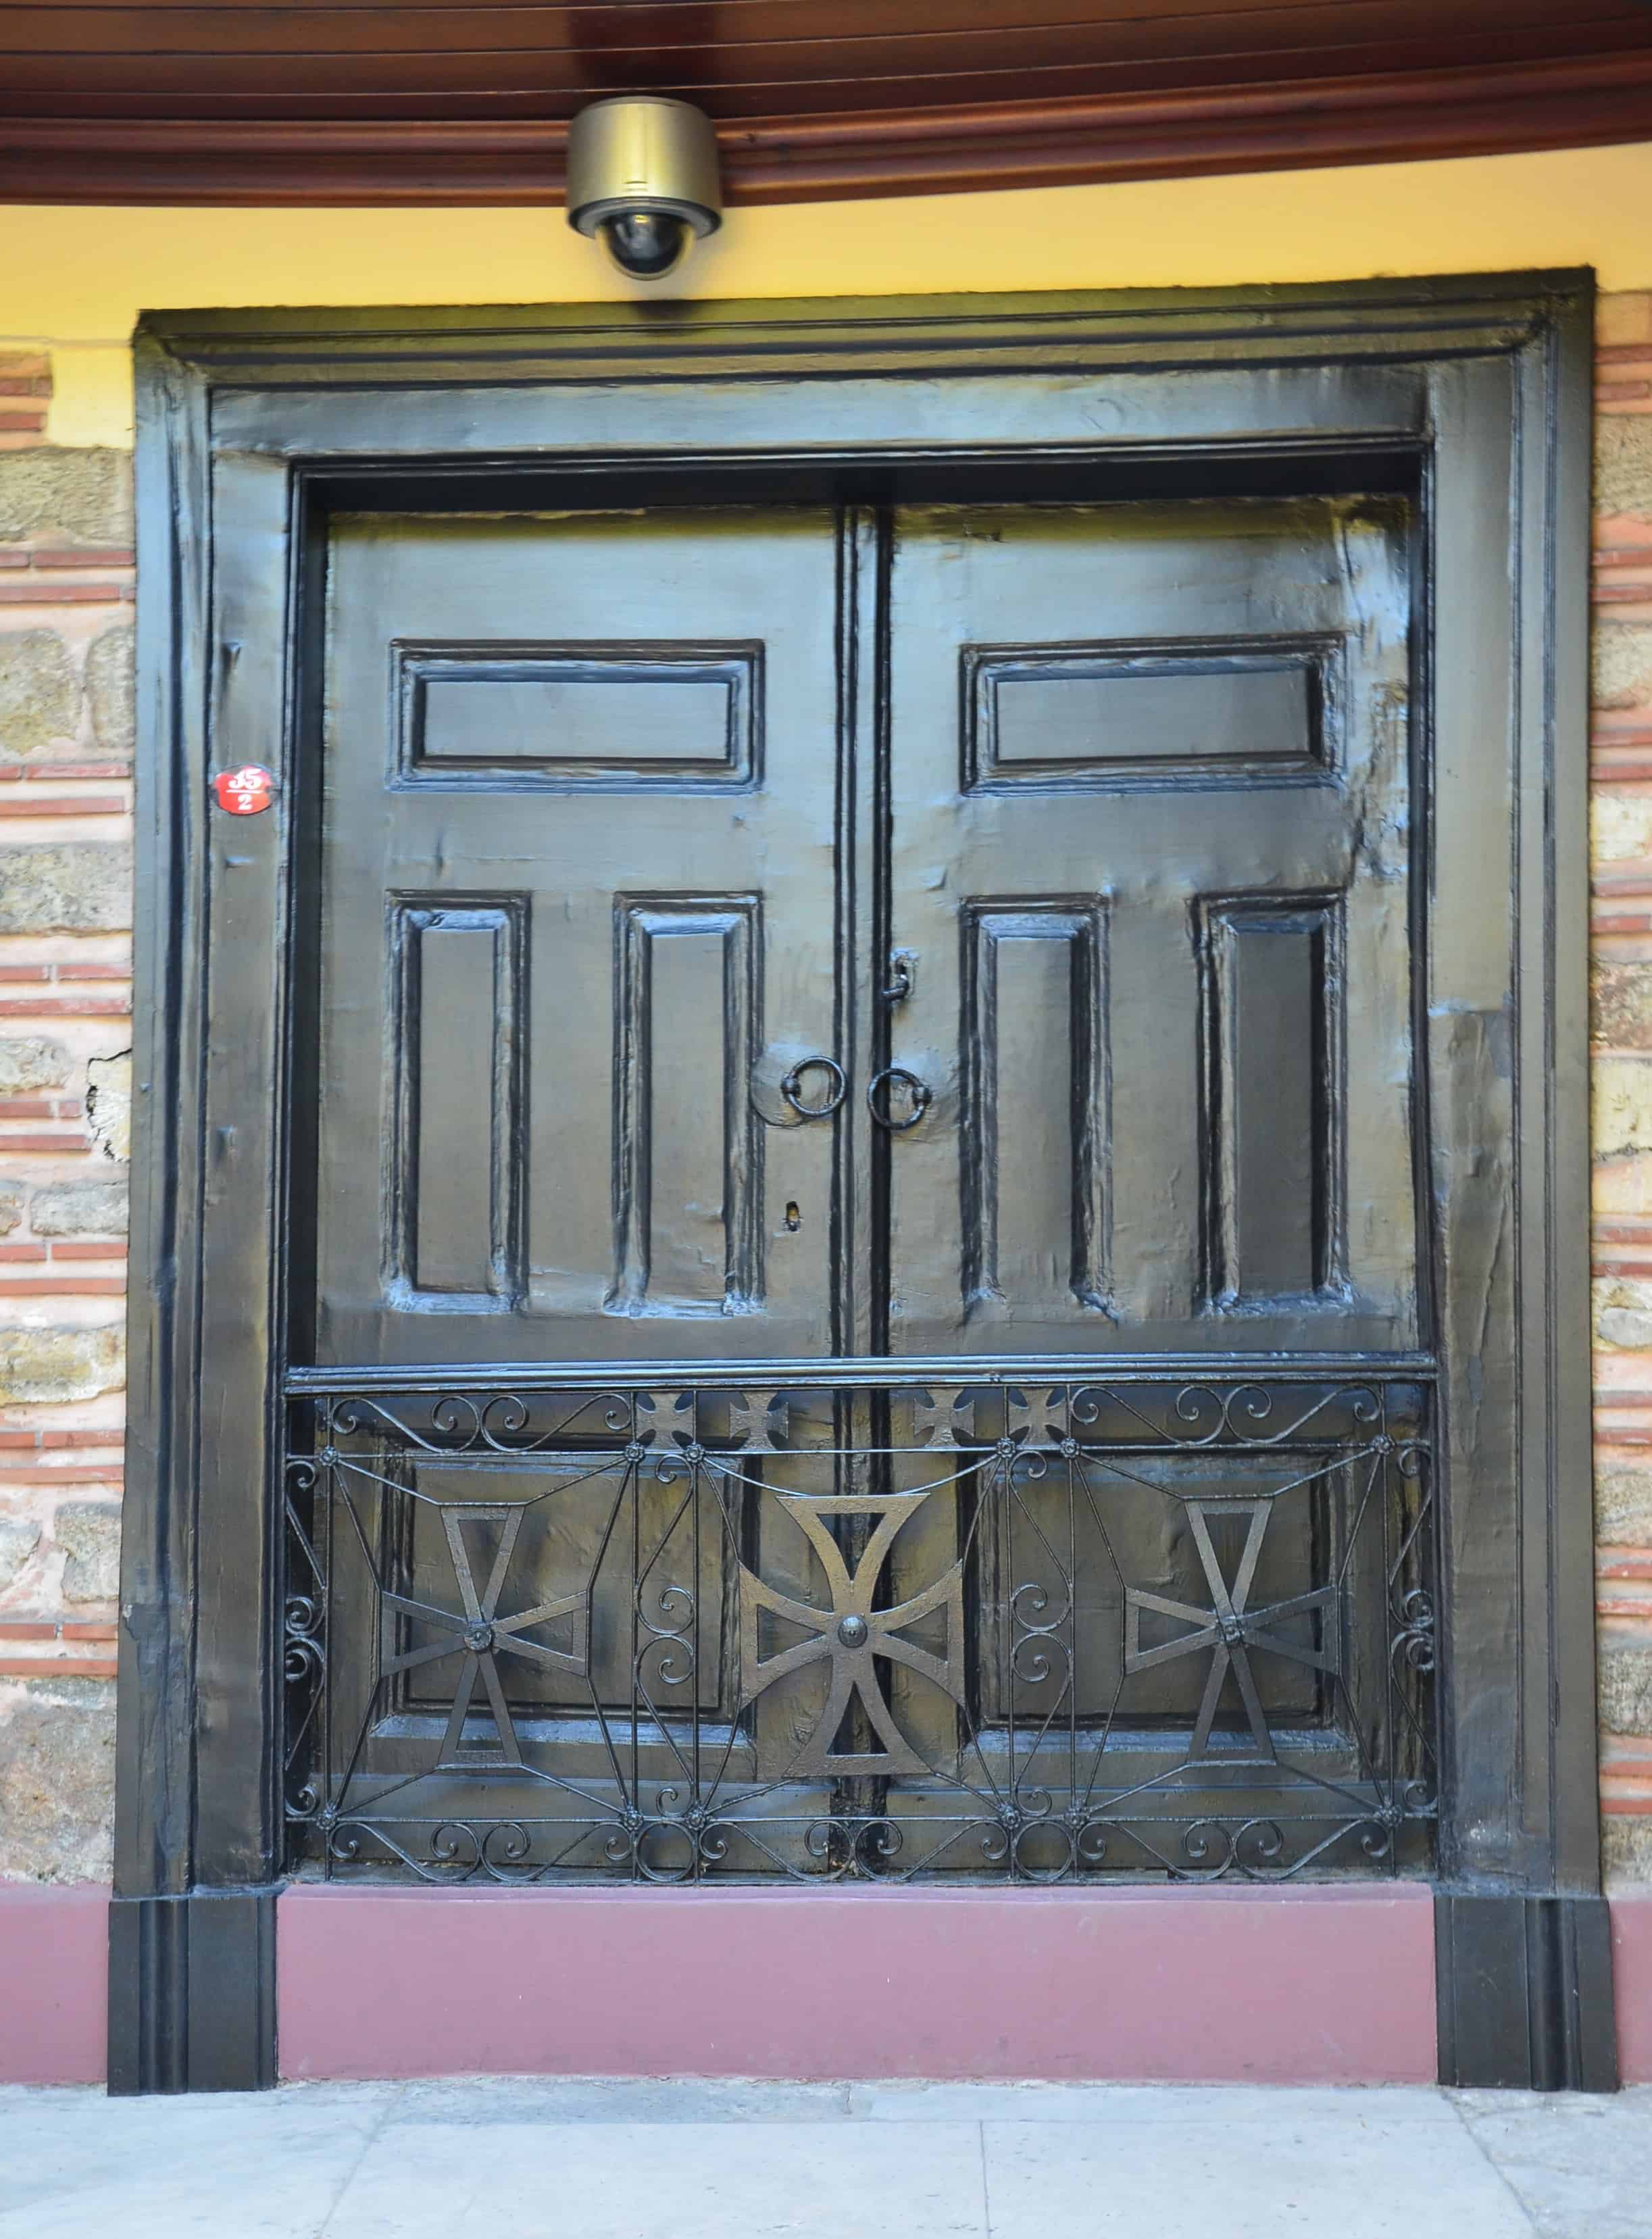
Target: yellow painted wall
<point>75,279</point>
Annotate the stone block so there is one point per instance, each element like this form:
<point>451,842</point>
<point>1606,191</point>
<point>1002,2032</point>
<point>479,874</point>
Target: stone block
<point>82,887</point>
<point>1621,1105</point>
<point>1625,1669</point>
<point>89,1531</point>
<point>1620,664</point>
<point>109,1104</point>
<point>31,1063</point>
<point>11,1206</point>
<point>1626,1850</point>
<point>41,1366</point>
<point>1620,827</point>
<point>19,1537</point>
<point>1623,319</point>
<point>1621,1185</point>
<point>57,1782</point>
<point>1623,462</point>
<point>1621,1005</point>
<point>1621,1311</point>
<point>39,697</point>
<point>1624,1328</point>
<point>78,496</point>
<point>111,690</point>
<point>1624,1505</point>
<point>79,1208</point>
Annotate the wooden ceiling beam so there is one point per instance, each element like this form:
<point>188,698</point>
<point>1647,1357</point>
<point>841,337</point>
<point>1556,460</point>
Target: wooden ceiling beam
<point>1373,118</point>
<point>835,78</point>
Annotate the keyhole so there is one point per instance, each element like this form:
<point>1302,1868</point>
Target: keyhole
<point>793,1218</point>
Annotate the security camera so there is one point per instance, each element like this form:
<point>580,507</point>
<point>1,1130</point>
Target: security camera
<point>642,175</point>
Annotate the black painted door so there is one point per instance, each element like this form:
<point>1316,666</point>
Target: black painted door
<point>1114,972</point>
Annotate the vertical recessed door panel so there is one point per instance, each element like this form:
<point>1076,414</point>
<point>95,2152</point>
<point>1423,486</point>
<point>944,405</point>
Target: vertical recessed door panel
<point>453,1206</point>
<point>1150,878</point>
<point>578,920</point>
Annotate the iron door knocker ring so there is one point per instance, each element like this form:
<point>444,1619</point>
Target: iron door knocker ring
<point>794,1082</point>
<point>921,1092</point>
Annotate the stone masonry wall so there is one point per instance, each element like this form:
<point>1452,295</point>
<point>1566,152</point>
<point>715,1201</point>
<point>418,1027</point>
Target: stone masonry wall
<point>65,1002</point>
<point>1621,962</point>
<point>65,839</point>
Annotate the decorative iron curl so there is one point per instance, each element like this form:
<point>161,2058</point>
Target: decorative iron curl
<point>1377,1835</point>
<point>304,1653</point>
<point>1259,1845</point>
<point>620,1847</point>
<point>1090,1838</point>
<point>668,1660</point>
<point>503,1419</point>
<point>1247,1413</point>
<point>505,1847</point>
<point>1202,1840</point>
<point>458,1417</point>
<point>1414,1643</point>
<point>356,1415</point>
<point>1044,1830</point>
<point>455,1848</point>
<point>833,1844</point>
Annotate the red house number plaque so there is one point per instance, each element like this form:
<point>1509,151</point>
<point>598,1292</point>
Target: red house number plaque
<point>244,792</point>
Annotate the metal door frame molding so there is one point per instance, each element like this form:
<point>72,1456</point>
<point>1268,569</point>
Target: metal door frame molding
<point>1474,391</point>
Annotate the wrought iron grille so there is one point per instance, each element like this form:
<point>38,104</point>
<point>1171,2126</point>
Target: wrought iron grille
<point>1044,1631</point>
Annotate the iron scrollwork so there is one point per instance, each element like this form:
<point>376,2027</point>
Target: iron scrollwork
<point>1148,1625</point>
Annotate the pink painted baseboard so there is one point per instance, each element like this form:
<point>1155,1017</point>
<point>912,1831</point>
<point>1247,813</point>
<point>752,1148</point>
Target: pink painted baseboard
<point>1310,1984</point>
<point>54,1979</point>
<point>1632,1983</point>
<point>1254,1985</point>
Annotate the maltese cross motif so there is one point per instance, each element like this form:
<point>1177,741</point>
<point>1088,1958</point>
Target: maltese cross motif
<point>851,1633</point>
<point>482,1636</point>
<point>1230,1628</point>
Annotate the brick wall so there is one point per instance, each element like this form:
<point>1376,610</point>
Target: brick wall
<point>65,749</point>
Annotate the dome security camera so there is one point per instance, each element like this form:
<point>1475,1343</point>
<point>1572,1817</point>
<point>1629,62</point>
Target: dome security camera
<point>642,175</point>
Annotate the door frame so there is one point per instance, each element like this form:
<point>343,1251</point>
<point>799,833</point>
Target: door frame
<point>248,420</point>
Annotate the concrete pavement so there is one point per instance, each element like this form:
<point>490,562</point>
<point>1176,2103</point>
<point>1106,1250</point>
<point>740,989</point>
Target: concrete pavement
<point>743,2161</point>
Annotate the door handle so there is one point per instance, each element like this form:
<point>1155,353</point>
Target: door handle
<point>792,1087</point>
<point>919,1092</point>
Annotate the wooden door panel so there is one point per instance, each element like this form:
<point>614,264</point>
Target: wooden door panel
<point>1150,862</point>
<point>1035,1105</point>
<point>578,911</point>
<point>457,1131</point>
<point>1270,969</point>
<point>688,1044</point>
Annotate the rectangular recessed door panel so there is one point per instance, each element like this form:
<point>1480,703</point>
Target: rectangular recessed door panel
<point>568,716</point>
<point>1117,715</point>
<point>452,1203</point>
<point>688,1149</point>
<point>1272,1098</point>
<point>1035,1111</point>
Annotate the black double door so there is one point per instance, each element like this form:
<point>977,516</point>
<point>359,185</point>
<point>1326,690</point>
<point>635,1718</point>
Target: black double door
<point>791,933</point>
